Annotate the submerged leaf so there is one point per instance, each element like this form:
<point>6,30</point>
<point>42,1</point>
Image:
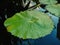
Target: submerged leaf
<point>55,9</point>
<point>29,24</point>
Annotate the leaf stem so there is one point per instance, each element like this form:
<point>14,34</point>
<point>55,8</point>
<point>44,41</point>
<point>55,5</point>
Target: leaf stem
<point>34,7</point>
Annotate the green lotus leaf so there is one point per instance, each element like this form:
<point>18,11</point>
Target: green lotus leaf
<point>48,1</point>
<point>54,9</point>
<point>29,24</point>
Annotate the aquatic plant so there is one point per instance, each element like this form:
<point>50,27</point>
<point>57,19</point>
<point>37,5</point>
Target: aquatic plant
<point>32,23</point>
<point>9,8</point>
